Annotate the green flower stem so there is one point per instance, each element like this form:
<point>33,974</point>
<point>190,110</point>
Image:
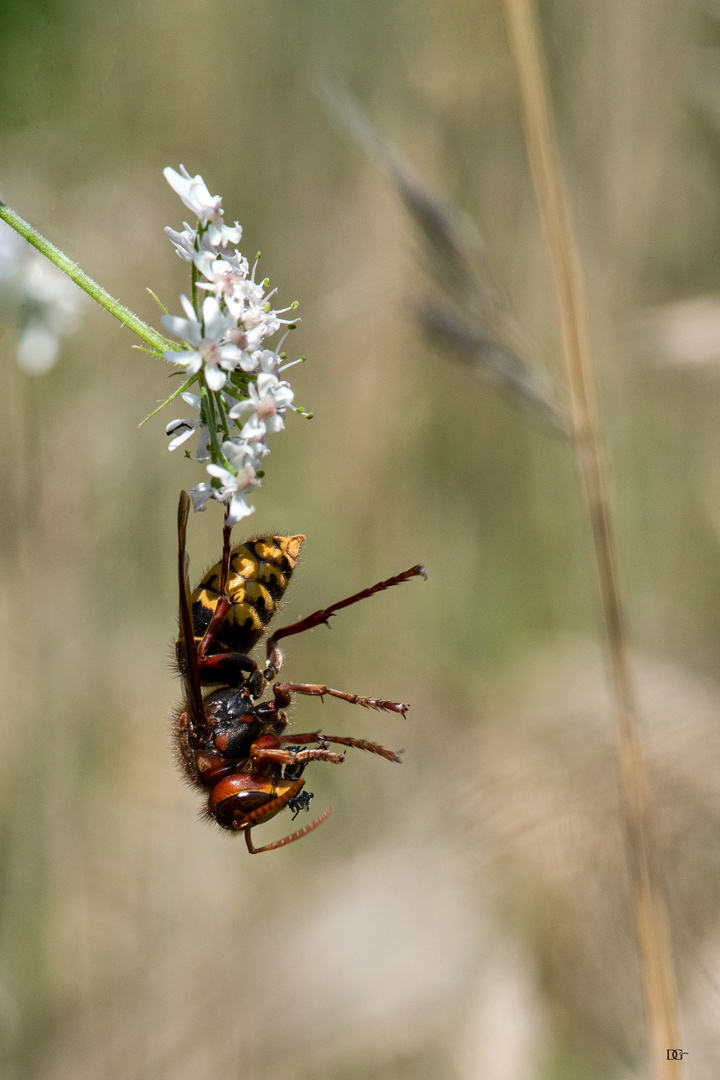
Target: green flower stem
<point>159,343</point>
<point>194,270</point>
<point>207,401</point>
<point>194,278</point>
<point>223,417</point>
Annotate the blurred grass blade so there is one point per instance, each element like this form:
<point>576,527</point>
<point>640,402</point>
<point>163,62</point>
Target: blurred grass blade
<point>451,238</point>
<point>473,324</point>
<point>525,387</point>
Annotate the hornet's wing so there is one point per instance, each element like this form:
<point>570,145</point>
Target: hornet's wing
<point>187,653</point>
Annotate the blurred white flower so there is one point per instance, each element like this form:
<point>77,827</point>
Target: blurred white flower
<point>49,294</point>
<point>37,349</point>
<point>39,298</point>
<point>684,333</point>
<point>11,247</point>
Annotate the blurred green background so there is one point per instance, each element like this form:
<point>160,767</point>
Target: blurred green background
<point>465,915</point>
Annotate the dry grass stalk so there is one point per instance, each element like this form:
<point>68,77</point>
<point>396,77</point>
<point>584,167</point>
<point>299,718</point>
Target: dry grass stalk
<point>651,920</point>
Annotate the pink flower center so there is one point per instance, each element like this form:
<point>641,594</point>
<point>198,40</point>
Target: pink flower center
<point>238,337</point>
<point>210,352</point>
<point>230,281</point>
<point>266,407</point>
<point>246,478</point>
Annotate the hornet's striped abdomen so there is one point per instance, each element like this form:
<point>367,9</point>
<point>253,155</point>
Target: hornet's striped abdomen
<point>259,573</point>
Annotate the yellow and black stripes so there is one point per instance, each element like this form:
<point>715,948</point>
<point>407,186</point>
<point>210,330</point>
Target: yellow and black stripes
<point>259,573</point>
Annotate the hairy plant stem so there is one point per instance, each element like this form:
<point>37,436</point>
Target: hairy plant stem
<point>156,341</point>
<point>651,918</point>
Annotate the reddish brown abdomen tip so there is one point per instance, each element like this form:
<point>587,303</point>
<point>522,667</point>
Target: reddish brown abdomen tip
<point>291,545</point>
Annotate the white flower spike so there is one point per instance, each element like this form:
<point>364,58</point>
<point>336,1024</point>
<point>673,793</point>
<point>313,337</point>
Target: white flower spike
<point>226,354</point>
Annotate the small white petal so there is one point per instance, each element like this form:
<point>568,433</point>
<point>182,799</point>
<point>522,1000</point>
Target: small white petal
<point>200,495</point>
<point>269,361</point>
<point>239,509</point>
<point>248,362</point>
<point>215,377</point>
<point>186,329</point>
<point>223,236</point>
<point>188,308</point>
<point>274,423</point>
<point>185,429</point>
<point>239,409</point>
<point>217,470</point>
<point>194,193</point>
<point>190,359</point>
<point>254,430</point>
<point>184,241</point>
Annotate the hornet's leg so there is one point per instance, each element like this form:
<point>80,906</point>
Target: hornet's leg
<point>287,839</point>
<point>284,691</point>
<point>340,740</point>
<point>293,757</point>
<point>272,807</point>
<point>274,655</point>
